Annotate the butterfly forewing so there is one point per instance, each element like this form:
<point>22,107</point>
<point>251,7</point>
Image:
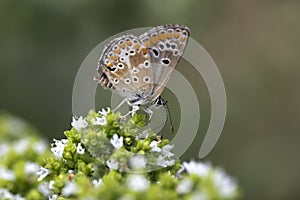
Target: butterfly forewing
<point>125,67</point>
<point>165,44</point>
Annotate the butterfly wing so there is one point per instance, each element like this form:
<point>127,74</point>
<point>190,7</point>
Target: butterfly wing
<point>125,67</point>
<point>165,44</point>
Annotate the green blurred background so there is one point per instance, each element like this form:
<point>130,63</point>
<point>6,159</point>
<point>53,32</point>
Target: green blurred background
<point>254,43</point>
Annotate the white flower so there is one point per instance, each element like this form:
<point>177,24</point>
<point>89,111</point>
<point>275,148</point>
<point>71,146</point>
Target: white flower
<point>80,149</point>
<point>154,146</point>
<point>112,164</point>
<point>138,162</point>
<point>21,145</point>
<point>4,148</point>
<point>40,147</point>
<point>53,197</point>
<point>42,173</point>
<point>45,189</point>
<point>6,174</point>
<point>137,183</point>
<point>199,196</point>
<point>224,184</point>
<point>142,135</point>
<point>97,183</point>
<point>166,150</point>
<point>127,197</point>
<point>5,194</point>
<point>116,141</point>
<point>79,124</point>
<point>164,161</point>
<point>185,186</point>
<point>200,169</point>
<point>31,168</point>
<point>69,189</point>
<point>99,121</point>
<point>57,148</point>
<point>104,112</point>
<point>51,184</point>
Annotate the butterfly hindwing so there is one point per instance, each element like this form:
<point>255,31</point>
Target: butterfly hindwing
<point>125,67</point>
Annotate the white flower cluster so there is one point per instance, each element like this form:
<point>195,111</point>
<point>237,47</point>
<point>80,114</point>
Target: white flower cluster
<point>166,157</point>
<point>223,184</point>
<point>57,147</point>
<point>79,123</point>
<point>137,182</point>
<point>116,141</point>
<point>5,194</point>
<point>7,174</point>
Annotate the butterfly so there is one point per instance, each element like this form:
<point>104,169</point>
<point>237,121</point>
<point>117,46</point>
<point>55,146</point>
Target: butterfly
<point>139,67</point>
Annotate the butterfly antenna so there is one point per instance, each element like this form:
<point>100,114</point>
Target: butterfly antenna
<point>169,115</point>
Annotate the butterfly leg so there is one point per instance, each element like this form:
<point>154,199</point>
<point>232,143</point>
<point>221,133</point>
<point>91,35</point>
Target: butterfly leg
<point>132,112</point>
<point>149,112</point>
<point>119,105</point>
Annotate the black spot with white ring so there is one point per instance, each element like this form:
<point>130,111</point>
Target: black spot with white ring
<point>116,80</point>
<point>135,79</point>
<point>120,65</point>
<point>161,46</point>
<point>132,52</point>
<point>146,79</point>
<point>176,52</point>
<point>127,80</point>
<point>165,61</point>
<point>155,52</point>
<point>146,64</point>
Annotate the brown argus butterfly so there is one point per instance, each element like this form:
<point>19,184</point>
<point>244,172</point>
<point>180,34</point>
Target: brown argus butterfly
<point>138,68</point>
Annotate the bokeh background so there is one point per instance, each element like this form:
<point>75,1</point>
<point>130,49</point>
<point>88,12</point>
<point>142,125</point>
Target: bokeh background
<point>254,43</point>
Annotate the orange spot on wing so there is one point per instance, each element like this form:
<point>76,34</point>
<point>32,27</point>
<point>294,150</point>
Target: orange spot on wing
<point>182,39</point>
<point>129,43</point>
<point>113,58</point>
<point>162,36</point>
<point>122,45</point>
<point>144,50</point>
<point>137,46</point>
<point>109,64</point>
<point>176,35</point>
<point>147,43</point>
<point>169,35</point>
<point>117,50</point>
<point>154,39</point>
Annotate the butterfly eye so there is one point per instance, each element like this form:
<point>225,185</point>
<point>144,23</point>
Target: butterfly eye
<point>146,64</point>
<point>165,61</point>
